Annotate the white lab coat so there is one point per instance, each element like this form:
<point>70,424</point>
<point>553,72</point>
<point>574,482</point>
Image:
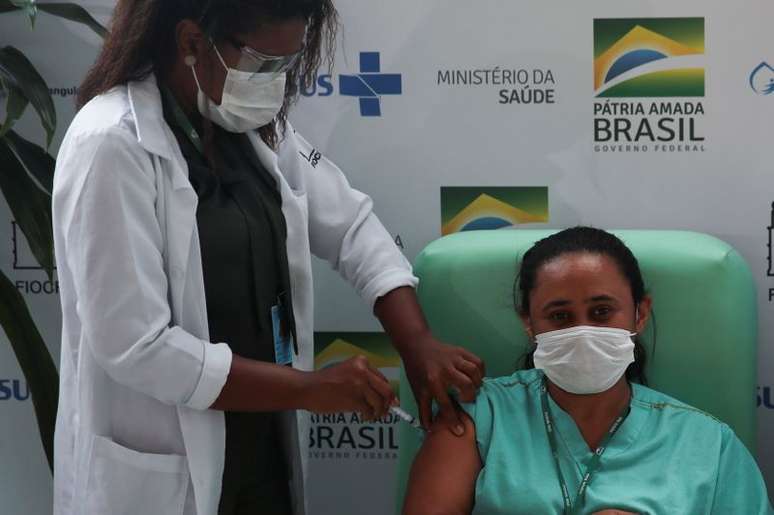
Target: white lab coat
<point>134,434</point>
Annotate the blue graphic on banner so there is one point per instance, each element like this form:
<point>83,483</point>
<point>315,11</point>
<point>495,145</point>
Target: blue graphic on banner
<point>13,390</point>
<point>765,397</point>
<point>770,245</point>
<point>370,84</point>
<point>321,87</point>
<point>762,79</point>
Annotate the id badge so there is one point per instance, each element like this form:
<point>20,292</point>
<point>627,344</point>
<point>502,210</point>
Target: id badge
<point>283,339</point>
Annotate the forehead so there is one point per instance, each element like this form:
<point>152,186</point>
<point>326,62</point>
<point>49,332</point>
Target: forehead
<point>580,274</point>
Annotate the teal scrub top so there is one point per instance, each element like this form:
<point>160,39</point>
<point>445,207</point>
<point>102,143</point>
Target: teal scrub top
<point>666,457</point>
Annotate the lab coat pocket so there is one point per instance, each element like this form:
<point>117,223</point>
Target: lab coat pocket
<point>122,481</point>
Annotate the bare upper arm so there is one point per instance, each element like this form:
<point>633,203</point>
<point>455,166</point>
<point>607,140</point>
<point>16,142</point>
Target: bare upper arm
<point>443,476</point>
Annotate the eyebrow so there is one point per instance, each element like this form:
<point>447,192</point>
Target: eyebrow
<point>601,298</point>
<point>555,304</point>
<point>562,302</point>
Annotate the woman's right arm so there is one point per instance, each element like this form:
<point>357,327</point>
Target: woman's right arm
<point>112,244</point>
<point>443,476</point>
<point>349,386</point>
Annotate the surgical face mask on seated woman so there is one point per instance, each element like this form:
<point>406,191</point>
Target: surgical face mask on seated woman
<point>584,359</point>
<point>250,99</point>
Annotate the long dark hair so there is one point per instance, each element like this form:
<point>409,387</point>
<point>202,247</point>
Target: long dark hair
<point>594,241</point>
<point>142,41</point>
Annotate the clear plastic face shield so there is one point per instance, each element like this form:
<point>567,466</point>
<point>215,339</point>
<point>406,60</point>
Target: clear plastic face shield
<point>253,61</point>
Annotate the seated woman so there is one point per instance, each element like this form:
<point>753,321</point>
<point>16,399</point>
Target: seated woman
<point>577,432</point>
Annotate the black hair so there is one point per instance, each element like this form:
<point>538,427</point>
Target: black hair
<point>589,240</point>
<point>142,41</point>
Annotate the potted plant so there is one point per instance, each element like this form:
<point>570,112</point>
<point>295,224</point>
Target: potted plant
<point>26,178</point>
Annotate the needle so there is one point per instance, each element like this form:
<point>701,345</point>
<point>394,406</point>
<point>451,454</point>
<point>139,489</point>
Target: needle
<point>406,417</point>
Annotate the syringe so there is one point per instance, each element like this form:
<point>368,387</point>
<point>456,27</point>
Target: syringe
<point>406,417</point>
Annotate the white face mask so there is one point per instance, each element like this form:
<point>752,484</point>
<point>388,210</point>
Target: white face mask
<point>584,359</point>
<point>250,100</point>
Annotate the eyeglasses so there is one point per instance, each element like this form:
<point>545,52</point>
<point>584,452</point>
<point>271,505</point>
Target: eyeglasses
<point>253,61</point>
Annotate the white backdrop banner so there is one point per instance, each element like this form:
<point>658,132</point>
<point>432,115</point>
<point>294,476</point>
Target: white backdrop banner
<point>479,115</point>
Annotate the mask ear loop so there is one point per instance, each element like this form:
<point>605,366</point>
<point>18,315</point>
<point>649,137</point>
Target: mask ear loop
<point>636,320</point>
<point>190,61</point>
<point>220,57</point>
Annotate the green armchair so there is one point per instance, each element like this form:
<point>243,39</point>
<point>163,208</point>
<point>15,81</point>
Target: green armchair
<point>701,343</point>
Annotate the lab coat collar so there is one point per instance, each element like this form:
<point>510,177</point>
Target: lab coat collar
<point>153,133</point>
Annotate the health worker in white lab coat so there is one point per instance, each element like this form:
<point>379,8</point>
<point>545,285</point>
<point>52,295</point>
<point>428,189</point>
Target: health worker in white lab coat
<point>186,210</point>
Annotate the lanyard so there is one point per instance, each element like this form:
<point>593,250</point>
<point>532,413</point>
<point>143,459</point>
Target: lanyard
<point>571,508</point>
<point>182,120</point>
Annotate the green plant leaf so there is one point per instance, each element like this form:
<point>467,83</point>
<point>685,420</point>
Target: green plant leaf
<point>30,205</point>
<point>17,71</point>
<point>36,161</point>
<point>73,12</point>
<point>34,359</point>
<point>15,104</point>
